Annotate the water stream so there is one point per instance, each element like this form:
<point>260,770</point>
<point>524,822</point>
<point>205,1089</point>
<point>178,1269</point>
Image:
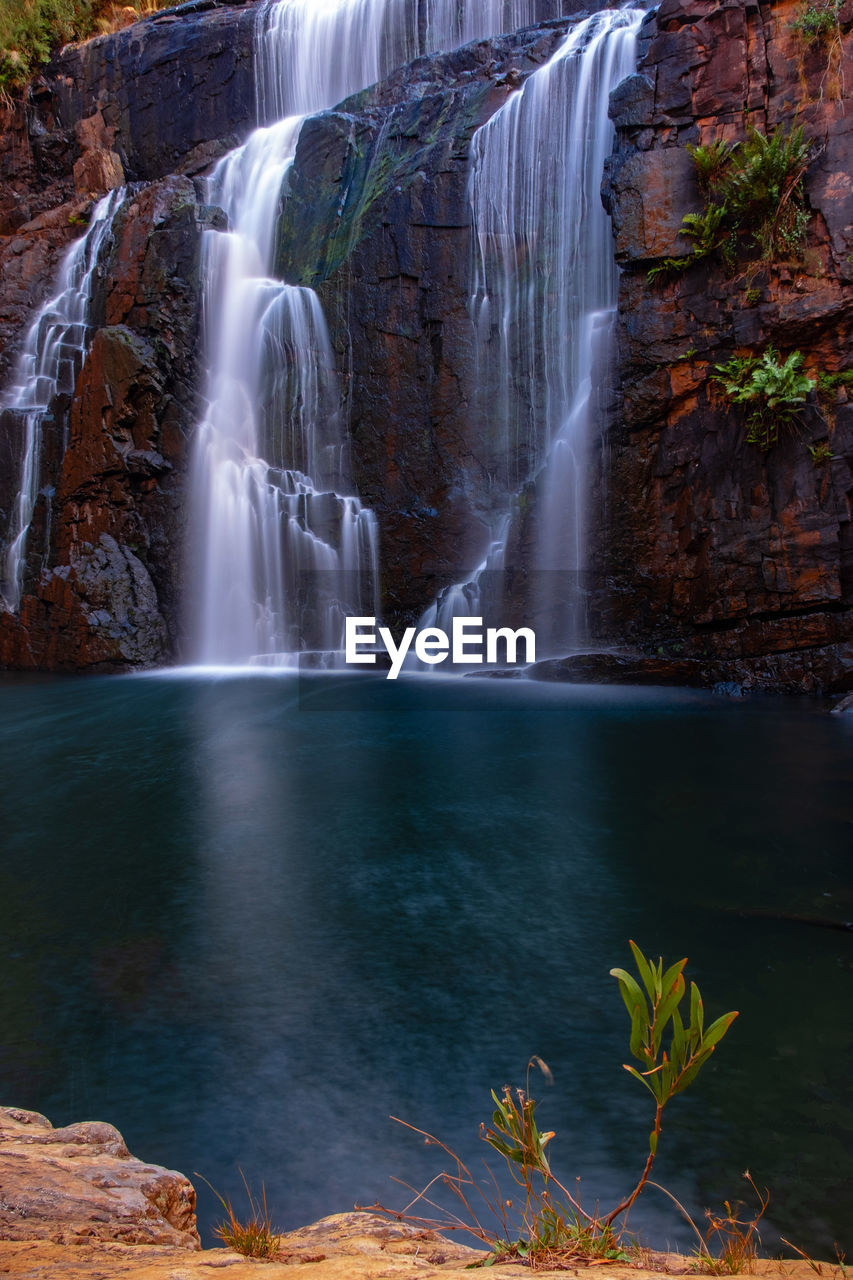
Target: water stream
<point>53,355</point>
<point>543,297</point>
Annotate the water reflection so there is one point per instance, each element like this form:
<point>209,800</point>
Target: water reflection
<point>249,919</point>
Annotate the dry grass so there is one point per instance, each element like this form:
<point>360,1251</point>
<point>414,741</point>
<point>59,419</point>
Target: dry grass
<point>253,1236</point>
<point>732,1240</point>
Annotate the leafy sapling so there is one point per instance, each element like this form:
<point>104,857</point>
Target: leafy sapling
<point>665,1073</point>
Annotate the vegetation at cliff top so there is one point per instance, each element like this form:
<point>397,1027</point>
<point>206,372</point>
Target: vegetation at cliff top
<point>543,1222</point>
<point>30,30</point>
<point>754,199</point>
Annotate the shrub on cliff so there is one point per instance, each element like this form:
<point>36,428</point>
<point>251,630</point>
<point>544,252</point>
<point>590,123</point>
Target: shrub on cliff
<point>774,391</point>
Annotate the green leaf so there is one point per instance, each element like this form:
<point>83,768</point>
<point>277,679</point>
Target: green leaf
<point>508,1152</point>
<point>688,1076</point>
<point>671,974</point>
<point>718,1029</point>
<point>639,1027</point>
<point>643,968</point>
<point>670,1001</point>
<point>697,1009</point>
<point>642,1079</point>
<point>679,1040</point>
<point>631,993</point>
<point>653,1142</point>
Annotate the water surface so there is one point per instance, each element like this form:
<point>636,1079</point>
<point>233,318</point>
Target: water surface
<point>247,919</point>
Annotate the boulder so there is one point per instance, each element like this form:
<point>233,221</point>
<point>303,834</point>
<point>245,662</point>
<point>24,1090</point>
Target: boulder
<point>80,1184</point>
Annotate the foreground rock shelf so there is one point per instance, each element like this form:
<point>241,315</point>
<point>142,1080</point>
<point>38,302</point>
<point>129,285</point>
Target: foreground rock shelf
<point>75,1203</point>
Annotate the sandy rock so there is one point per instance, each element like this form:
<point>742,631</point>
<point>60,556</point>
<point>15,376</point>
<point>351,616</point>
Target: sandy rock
<point>344,1247</point>
<point>75,1205</point>
<point>80,1183</point>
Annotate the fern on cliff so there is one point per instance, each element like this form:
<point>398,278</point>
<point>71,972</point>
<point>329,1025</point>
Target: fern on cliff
<point>774,391</point>
<point>754,199</point>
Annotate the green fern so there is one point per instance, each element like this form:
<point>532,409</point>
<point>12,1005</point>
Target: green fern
<point>705,229</point>
<point>711,161</point>
<point>775,391</point>
<point>754,198</point>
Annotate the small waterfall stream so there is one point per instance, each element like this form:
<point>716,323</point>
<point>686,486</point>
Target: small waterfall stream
<point>52,357</point>
<point>543,297</point>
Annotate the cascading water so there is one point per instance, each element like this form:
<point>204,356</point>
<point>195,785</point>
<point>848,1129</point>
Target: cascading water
<point>314,53</point>
<point>286,552</point>
<point>270,457</point>
<point>52,357</point>
<point>544,292</point>
<point>449,23</point>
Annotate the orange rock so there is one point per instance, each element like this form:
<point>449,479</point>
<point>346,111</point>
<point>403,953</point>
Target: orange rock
<point>80,1183</point>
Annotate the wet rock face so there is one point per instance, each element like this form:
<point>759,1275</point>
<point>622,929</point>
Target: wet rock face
<point>38,220</point>
<point>104,577</point>
<point>714,550</point>
<point>164,96</point>
<point>80,1184</point>
<point>104,583</point>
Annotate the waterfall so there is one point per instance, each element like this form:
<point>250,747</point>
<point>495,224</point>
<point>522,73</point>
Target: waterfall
<point>53,355</point>
<point>274,522</point>
<point>449,23</point>
<point>285,549</point>
<point>543,297</point>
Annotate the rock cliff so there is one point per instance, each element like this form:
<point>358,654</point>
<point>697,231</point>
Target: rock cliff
<point>712,549</point>
<point>104,578</point>
<point>104,571</point>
